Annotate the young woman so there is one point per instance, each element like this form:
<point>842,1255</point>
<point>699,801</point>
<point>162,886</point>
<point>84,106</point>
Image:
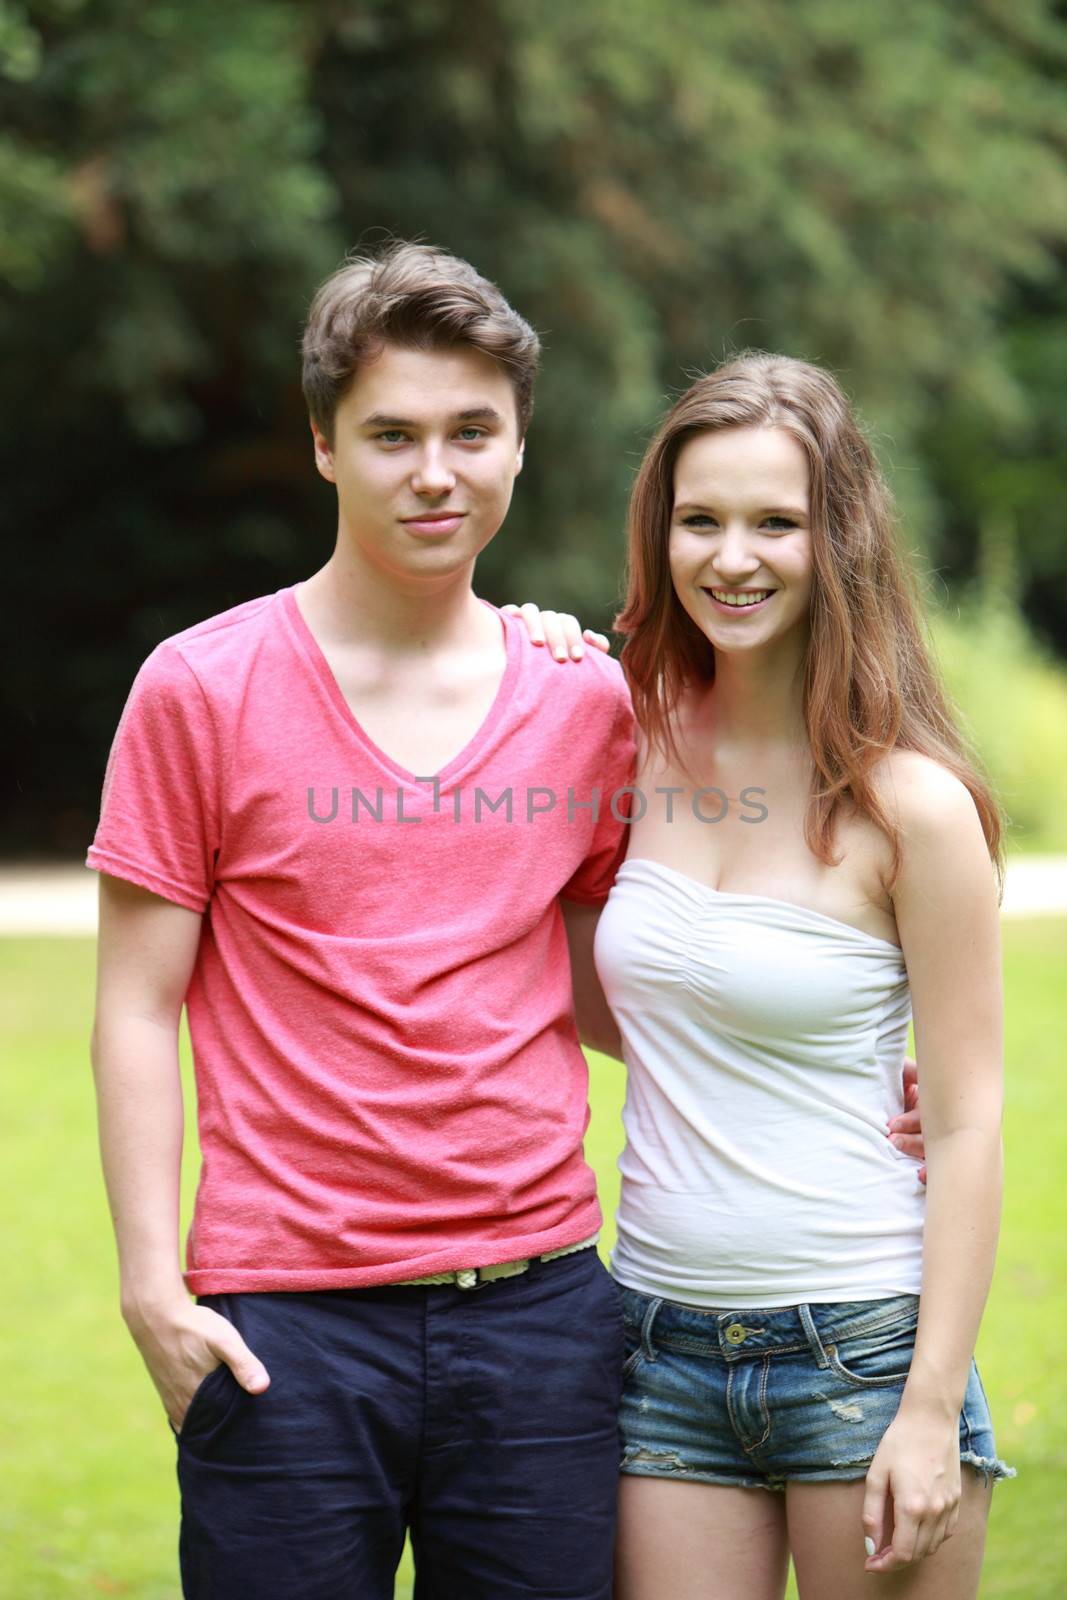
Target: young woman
<point>813,858</point>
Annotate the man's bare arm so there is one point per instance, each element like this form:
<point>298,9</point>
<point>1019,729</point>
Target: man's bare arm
<point>596,1025</point>
<point>147,950</point>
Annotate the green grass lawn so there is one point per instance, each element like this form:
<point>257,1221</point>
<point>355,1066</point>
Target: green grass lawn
<point>88,1504</point>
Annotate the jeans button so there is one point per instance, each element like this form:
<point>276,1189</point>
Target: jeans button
<point>736,1334</point>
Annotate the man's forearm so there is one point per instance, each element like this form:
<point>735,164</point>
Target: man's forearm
<point>596,1026</point>
<point>139,1101</point>
<point>599,1032</point>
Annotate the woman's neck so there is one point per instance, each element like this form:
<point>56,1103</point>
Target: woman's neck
<point>758,698</point>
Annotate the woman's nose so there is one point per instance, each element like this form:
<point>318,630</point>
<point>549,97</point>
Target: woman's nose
<point>734,557</point>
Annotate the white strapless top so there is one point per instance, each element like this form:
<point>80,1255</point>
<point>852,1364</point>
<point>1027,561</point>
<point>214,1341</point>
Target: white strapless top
<point>764,1044</point>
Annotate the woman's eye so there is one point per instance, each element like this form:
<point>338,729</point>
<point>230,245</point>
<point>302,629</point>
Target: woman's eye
<point>779,524</point>
<point>698,519</point>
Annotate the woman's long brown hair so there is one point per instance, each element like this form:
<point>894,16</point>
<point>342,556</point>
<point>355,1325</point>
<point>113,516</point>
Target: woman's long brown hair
<point>870,685</point>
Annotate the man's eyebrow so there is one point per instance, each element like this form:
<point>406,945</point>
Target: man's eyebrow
<point>378,419</point>
<point>480,414</point>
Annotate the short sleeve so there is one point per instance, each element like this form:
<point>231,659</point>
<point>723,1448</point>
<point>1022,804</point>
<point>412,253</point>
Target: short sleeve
<point>159,812</point>
<point>596,874</point>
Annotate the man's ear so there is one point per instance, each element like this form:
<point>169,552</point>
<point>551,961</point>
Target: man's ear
<point>323,454</point>
<point>520,457</point>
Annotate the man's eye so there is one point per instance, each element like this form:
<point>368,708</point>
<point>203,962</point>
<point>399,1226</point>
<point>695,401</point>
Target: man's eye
<point>471,435</point>
<point>390,436</point>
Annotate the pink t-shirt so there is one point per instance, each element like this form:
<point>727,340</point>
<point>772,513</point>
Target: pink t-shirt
<point>389,1080</point>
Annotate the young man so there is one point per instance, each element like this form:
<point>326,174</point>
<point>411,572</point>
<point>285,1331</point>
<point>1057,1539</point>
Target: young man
<point>344,824</point>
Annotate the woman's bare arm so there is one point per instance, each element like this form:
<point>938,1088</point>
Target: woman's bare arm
<point>947,916</point>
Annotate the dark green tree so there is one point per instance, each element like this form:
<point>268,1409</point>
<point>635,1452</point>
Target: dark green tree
<point>880,188</point>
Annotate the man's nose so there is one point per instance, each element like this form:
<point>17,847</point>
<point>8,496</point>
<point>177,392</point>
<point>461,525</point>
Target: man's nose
<point>433,475</point>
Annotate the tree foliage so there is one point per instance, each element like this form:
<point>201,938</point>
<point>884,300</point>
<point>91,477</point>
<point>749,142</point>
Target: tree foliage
<point>882,188</point>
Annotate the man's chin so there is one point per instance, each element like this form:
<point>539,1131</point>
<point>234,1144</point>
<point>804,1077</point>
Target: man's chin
<point>439,563</point>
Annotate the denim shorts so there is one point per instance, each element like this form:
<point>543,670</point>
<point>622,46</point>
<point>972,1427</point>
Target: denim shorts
<point>756,1399</point>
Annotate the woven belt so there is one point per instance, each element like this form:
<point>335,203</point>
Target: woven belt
<point>474,1277</point>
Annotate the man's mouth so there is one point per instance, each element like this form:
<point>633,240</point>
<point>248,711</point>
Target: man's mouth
<point>434,521</point>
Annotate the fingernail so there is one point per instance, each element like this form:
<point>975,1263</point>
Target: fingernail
<point>560,653</point>
<point>577,652</point>
<point>869,1545</point>
<point>895,1141</point>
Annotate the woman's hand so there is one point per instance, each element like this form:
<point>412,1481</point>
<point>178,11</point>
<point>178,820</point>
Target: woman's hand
<point>912,1503</point>
<point>562,633</point>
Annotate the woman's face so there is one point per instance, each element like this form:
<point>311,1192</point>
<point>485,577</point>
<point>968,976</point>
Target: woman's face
<point>740,541</point>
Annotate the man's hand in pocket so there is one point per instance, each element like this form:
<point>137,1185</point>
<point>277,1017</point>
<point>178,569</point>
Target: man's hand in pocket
<point>181,1343</point>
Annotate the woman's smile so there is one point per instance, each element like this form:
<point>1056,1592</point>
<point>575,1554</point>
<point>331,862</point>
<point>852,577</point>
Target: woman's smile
<point>740,544</point>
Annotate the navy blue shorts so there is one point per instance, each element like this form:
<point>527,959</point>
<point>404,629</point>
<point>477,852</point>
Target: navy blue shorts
<point>485,1421</point>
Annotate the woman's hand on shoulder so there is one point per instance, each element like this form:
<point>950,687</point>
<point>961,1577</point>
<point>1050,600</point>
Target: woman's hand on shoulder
<point>912,1501</point>
<point>563,634</point>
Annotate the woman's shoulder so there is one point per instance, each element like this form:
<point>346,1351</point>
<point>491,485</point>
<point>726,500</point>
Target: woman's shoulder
<point>931,805</point>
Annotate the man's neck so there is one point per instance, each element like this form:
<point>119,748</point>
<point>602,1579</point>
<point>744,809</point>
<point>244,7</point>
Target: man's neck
<point>347,603</point>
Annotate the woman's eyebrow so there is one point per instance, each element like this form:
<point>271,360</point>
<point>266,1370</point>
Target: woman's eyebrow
<point>798,513</point>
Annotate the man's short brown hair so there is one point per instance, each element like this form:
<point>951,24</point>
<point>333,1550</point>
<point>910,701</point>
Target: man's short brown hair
<point>419,297</point>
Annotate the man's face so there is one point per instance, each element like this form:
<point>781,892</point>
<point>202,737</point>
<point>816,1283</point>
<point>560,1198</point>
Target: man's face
<point>424,456</point>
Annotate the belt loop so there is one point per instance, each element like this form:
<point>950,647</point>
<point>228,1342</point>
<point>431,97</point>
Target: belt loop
<point>821,1358</point>
<point>648,1349</point>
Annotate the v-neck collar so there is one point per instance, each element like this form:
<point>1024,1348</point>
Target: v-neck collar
<point>311,650</point>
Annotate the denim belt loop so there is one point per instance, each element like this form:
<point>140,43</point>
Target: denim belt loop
<point>821,1358</point>
<point>648,1349</point>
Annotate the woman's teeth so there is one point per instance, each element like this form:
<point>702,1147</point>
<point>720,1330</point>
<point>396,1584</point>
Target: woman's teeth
<point>727,599</point>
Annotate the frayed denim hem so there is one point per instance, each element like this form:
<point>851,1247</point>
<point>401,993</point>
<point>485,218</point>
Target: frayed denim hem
<point>989,1468</point>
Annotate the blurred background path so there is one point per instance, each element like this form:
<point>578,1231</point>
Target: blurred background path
<point>60,899</point>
